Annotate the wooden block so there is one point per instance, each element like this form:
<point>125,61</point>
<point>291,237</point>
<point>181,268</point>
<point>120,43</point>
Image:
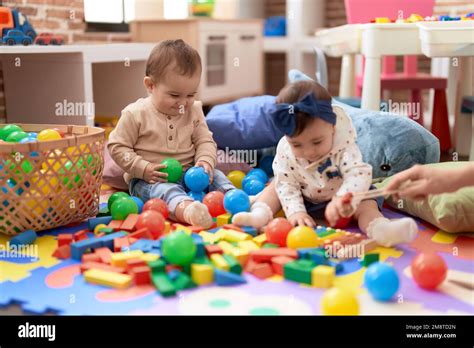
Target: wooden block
<point>219,262</point>
<point>234,264</point>
<point>65,239</point>
<point>98,265</point>
<point>163,284</point>
<point>196,229</point>
<point>141,275</point>
<point>208,237</point>
<point>369,259</point>
<point>115,224</point>
<point>147,257</point>
<point>262,270</point>
<point>104,254</point>
<point>157,266</point>
<point>278,263</point>
<point>235,236</point>
<point>142,233</point>
<point>265,255</point>
<point>101,277</point>
<point>223,219</point>
<point>132,263</point>
<point>213,249</point>
<point>167,227</point>
<point>298,271</point>
<point>323,276</point>
<point>226,247</point>
<point>91,257</point>
<point>241,255</point>
<point>119,243</point>
<point>232,227</point>
<point>63,252</point>
<point>260,239</point>
<point>120,259</point>
<point>202,274</point>
<point>129,223</point>
<point>81,235</point>
<point>250,266</point>
<point>248,245</point>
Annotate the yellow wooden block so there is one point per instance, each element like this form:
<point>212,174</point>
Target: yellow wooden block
<point>248,245</point>
<point>220,233</point>
<point>149,257</point>
<point>179,227</point>
<point>219,262</point>
<point>101,277</point>
<point>208,237</point>
<point>260,239</point>
<point>323,276</point>
<point>167,227</point>
<point>226,247</point>
<point>202,274</point>
<point>235,236</point>
<point>223,219</point>
<point>120,259</point>
<point>444,237</point>
<point>241,255</point>
<point>382,20</point>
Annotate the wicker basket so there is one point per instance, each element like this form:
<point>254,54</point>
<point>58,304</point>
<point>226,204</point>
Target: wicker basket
<point>51,183</point>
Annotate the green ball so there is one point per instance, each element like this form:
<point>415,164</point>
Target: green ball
<point>179,248</point>
<point>16,136</point>
<point>114,197</point>
<point>173,168</point>
<point>122,207</point>
<point>8,129</point>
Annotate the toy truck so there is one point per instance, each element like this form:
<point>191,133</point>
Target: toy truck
<point>13,20</point>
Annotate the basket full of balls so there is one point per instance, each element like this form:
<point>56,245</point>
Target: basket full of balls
<point>50,175</point>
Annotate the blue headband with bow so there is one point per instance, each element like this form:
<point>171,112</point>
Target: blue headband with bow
<point>283,115</point>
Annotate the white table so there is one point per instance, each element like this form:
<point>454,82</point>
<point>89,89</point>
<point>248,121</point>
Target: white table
<point>39,79</point>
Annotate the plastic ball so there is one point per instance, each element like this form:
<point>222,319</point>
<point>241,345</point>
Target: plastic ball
<point>139,202</point>
<point>196,179</point>
<point>253,187</point>
<point>429,270</point>
<point>174,169</point>
<point>259,173</point>
<point>339,301</point>
<point>214,201</point>
<point>249,178</point>
<point>277,231</point>
<point>302,237</point>
<point>16,137</point>
<point>123,207</point>
<point>33,135</point>
<point>197,196</point>
<point>114,197</point>
<point>236,177</point>
<point>179,248</point>
<point>61,133</point>
<point>266,164</point>
<point>154,221</point>
<point>382,281</point>
<point>158,205</point>
<point>48,134</point>
<point>28,139</point>
<point>236,201</point>
<point>8,129</point>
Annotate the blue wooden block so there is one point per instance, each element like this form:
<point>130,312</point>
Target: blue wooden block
<point>173,274</point>
<point>108,240</point>
<point>144,245</point>
<point>80,247</point>
<point>338,266</point>
<point>200,250</point>
<point>93,222</point>
<point>303,253</point>
<point>224,278</point>
<point>250,230</point>
<point>24,238</point>
<point>214,230</point>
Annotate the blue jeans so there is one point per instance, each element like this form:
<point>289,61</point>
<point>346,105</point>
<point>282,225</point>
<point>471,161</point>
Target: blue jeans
<point>175,193</point>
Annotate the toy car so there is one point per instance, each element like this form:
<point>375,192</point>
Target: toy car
<point>49,39</point>
<point>16,37</point>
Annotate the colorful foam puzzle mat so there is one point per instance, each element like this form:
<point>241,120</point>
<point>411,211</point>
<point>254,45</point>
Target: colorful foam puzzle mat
<point>49,285</point>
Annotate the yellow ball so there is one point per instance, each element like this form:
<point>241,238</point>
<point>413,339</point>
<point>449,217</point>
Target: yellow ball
<point>48,134</point>
<point>337,301</point>
<point>302,237</point>
<point>98,227</point>
<point>236,177</point>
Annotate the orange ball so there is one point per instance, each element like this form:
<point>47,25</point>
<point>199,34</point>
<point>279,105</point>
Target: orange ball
<point>277,231</point>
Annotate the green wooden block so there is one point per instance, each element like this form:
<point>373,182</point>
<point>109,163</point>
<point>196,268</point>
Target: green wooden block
<point>183,281</point>
<point>157,266</point>
<point>299,271</point>
<point>163,283</point>
<point>270,246</point>
<point>326,232</point>
<point>202,260</point>
<point>106,230</point>
<point>187,269</point>
<point>234,265</point>
<point>369,259</point>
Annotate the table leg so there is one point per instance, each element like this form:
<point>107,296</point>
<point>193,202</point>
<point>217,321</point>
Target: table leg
<point>347,82</point>
<point>371,88</point>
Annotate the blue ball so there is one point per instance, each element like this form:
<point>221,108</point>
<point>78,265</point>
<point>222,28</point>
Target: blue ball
<point>33,135</point>
<point>253,186</point>
<point>266,164</point>
<point>249,178</point>
<point>260,173</point>
<point>197,196</point>
<point>28,140</point>
<point>139,202</point>
<point>382,281</point>
<point>236,201</point>
<point>196,179</point>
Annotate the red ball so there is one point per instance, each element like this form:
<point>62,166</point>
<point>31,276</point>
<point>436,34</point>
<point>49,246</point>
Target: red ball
<point>214,201</point>
<point>277,231</point>
<point>429,270</point>
<point>153,220</point>
<point>158,205</point>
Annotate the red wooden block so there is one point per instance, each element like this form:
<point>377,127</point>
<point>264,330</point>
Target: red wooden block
<point>262,270</point>
<point>196,229</point>
<point>233,227</point>
<point>250,266</point>
<point>278,263</point>
<point>65,239</point>
<point>132,240</point>
<point>141,275</point>
<point>265,255</point>
<point>129,223</point>
<point>63,252</point>
<point>91,257</point>
<point>141,233</point>
<point>169,268</point>
<point>80,235</point>
<point>105,254</point>
<point>213,249</point>
<point>119,243</point>
<point>98,265</point>
<point>115,224</point>
<point>132,263</point>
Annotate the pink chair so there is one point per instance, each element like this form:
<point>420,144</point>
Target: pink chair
<point>363,11</point>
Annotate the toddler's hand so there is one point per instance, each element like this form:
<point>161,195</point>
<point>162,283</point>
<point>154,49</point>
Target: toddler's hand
<point>152,174</point>
<point>336,209</point>
<point>207,168</point>
<point>301,219</point>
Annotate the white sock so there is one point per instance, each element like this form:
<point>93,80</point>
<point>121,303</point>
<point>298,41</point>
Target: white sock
<point>391,232</point>
<point>260,214</point>
<point>197,214</point>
